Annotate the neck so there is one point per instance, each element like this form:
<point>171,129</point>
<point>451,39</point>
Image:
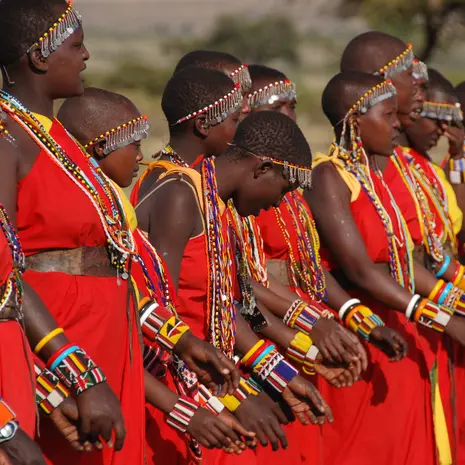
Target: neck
<point>228,177</point>
<point>29,93</point>
<point>380,162</point>
<point>188,148</point>
<point>401,139</point>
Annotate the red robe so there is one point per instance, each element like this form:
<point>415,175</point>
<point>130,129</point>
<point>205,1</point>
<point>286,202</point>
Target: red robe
<point>16,370</point>
<point>386,418</point>
<point>53,213</point>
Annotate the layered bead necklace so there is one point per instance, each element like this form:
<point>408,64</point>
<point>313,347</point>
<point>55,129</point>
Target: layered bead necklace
<point>308,269</point>
<point>221,314</point>
<point>109,207</point>
<point>13,283</point>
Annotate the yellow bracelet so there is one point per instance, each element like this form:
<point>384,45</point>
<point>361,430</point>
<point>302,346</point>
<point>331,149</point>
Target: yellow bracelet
<point>435,290</point>
<point>230,402</point>
<point>459,276</point>
<point>249,354</point>
<point>45,340</point>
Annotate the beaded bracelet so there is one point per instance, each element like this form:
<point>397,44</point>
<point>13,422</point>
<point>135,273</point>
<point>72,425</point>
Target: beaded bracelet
<point>209,401</point>
<point>411,307</point>
<point>75,369</point>
<point>444,266</point>
<point>160,326</point>
<point>50,392</point>
<point>302,316</point>
<point>232,402</point>
<point>455,299</point>
<point>302,351</point>
<point>457,171</point>
<point>432,315</point>
<point>361,320</point>
<point>458,277</point>
<point>349,305</point>
<point>6,414</point>
<point>182,413</point>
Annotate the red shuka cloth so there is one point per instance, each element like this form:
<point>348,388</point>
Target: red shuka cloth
<point>386,418</point>
<point>53,213</point>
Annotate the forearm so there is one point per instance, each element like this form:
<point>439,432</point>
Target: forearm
<point>277,331</point>
<point>424,280</point>
<point>337,296</point>
<point>245,337</point>
<point>158,395</point>
<point>274,299</point>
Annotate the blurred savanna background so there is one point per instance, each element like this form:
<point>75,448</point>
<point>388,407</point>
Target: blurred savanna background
<point>134,44</point>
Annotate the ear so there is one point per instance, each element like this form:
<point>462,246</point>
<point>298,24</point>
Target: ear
<point>37,61</point>
<point>97,150</point>
<point>263,167</point>
<point>200,127</point>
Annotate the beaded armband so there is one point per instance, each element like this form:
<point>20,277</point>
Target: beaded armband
<point>50,392</point>
<point>209,401</point>
<point>457,171</point>
<point>160,326</point>
<point>269,366</point>
<point>182,413</point>
<point>302,316</point>
<point>429,314</point>
<point>75,369</point>
<point>245,389</point>
<point>359,319</point>
<point>302,351</point>
<point>449,296</point>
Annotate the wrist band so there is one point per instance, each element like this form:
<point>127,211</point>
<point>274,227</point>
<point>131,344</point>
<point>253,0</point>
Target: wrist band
<point>361,320</point>
<point>457,171</point>
<point>209,401</point>
<point>445,291</point>
<point>61,354</point>
<point>252,351</point>
<point>182,413</point>
<point>432,315</point>
<point>412,305</point>
<point>6,414</point>
<point>456,300</point>
<point>50,392</point>
<point>46,339</point>
<point>437,290</point>
<point>262,356</point>
<point>459,275</point>
<point>302,351</point>
<point>302,316</point>
<point>346,307</point>
<point>444,267</point>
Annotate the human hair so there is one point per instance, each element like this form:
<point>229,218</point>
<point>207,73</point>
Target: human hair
<point>209,59</point>
<point>95,112</point>
<point>269,133</point>
<point>343,91</point>
<point>191,90</point>
<point>439,86</point>
<point>22,23</point>
<point>370,51</point>
<point>264,73</point>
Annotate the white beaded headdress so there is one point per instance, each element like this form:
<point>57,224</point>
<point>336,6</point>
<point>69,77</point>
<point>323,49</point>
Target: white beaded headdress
<point>242,77</point>
<point>420,70</point>
<point>398,65</point>
<point>279,90</point>
<point>442,111</point>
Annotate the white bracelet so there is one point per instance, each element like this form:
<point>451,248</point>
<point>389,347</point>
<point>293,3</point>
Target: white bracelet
<point>147,312</point>
<point>346,306</point>
<point>411,305</point>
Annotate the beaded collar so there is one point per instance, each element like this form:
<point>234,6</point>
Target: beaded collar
<point>242,77</point>
<point>61,30</point>
<point>450,112</point>
<point>398,65</point>
<point>123,135</point>
<point>13,283</point>
<point>219,111</point>
<point>279,90</point>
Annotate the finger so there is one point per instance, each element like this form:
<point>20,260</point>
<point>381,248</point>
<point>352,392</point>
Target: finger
<point>103,428</point>
<point>120,433</point>
<point>345,378</point>
<point>261,436</point>
<point>78,447</point>
<point>279,432</point>
<point>272,437</point>
<point>227,368</point>
<point>354,346</point>
<point>223,439</point>
<point>303,419</point>
<point>85,429</point>
<point>280,414</point>
<point>325,353</point>
<point>338,353</point>
<point>228,432</point>
<point>355,370</point>
<point>403,344</point>
<point>205,442</point>
<point>212,439</point>
<point>236,425</point>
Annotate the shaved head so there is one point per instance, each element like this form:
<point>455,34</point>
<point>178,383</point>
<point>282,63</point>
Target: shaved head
<point>439,89</point>
<point>371,51</point>
<point>95,112</point>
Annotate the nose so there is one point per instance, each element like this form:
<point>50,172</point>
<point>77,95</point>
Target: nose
<point>140,157</point>
<point>396,123</point>
<point>85,53</point>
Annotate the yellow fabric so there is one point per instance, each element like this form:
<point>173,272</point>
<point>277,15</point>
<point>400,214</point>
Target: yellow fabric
<point>440,425</point>
<point>350,180</point>
<point>44,121</point>
<point>128,208</point>
<point>454,210</point>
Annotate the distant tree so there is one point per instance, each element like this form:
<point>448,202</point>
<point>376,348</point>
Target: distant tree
<point>431,15</point>
<point>256,41</point>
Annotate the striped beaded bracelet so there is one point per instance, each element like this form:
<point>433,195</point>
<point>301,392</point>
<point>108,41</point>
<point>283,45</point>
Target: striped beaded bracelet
<point>361,320</point>
<point>302,316</point>
<point>209,401</point>
<point>182,413</point>
<point>448,295</point>
<point>160,326</point>
<point>50,392</point>
<point>302,351</point>
<point>431,315</point>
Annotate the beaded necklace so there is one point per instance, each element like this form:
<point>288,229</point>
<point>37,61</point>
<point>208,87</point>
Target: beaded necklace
<point>13,283</point>
<point>111,213</point>
<point>308,269</point>
<point>221,314</point>
<point>174,157</point>
<point>404,277</point>
<point>425,215</point>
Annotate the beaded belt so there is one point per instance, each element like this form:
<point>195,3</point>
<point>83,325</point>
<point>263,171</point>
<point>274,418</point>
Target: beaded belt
<point>346,283</point>
<point>82,261</point>
<point>279,269</point>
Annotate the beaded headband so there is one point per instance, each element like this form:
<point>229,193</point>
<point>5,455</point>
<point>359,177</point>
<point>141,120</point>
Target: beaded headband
<point>65,25</point>
<point>123,135</point>
<point>420,70</point>
<point>398,65</point>
<point>279,90</point>
<point>242,77</point>
<point>219,111</point>
<point>296,173</point>
<point>442,111</point>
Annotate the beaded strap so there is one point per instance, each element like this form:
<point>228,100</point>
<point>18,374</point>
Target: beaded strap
<point>50,392</point>
<point>361,320</point>
<point>302,351</point>
<point>75,369</point>
<point>302,316</point>
<point>209,401</point>
<point>182,413</point>
<point>171,332</point>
